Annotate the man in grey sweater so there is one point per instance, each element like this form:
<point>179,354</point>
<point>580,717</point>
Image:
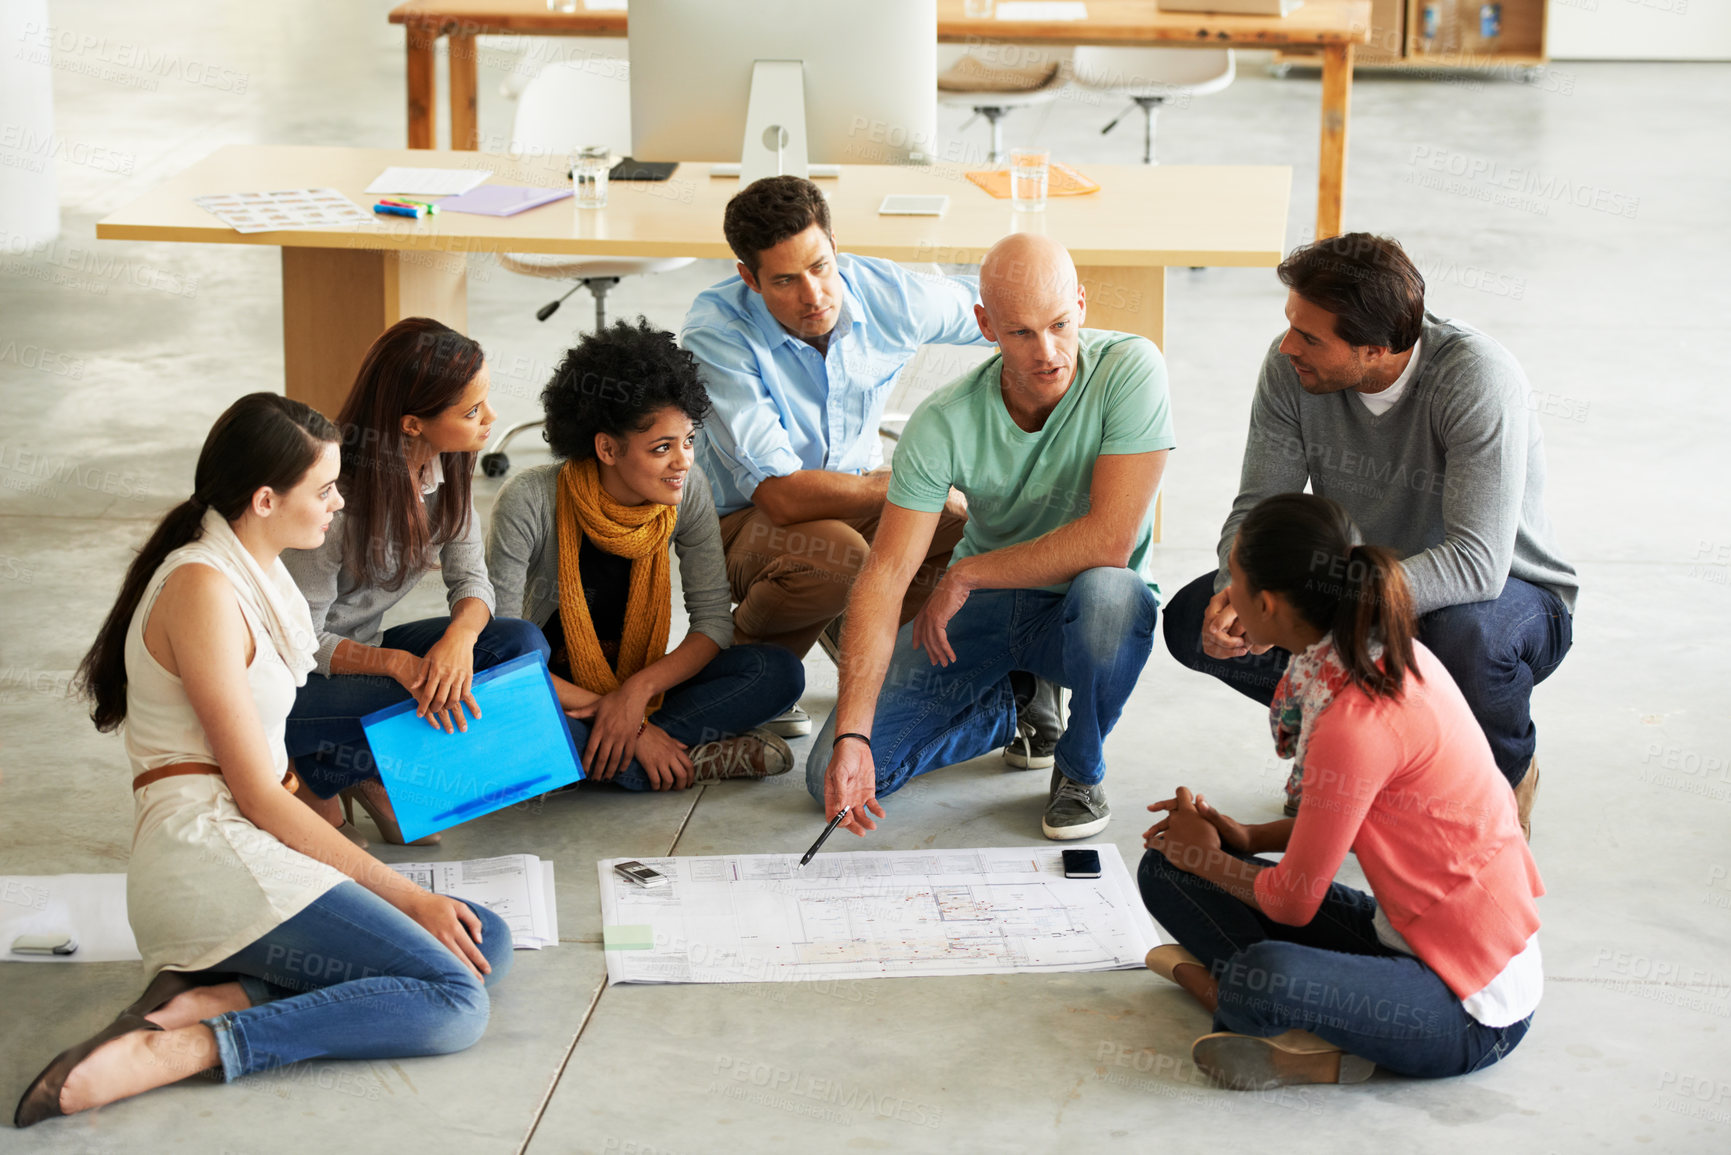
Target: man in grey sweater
<point>1423,429</point>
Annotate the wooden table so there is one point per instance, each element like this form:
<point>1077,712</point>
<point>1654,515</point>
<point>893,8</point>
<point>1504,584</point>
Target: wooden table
<point>342,287</point>
<point>1333,26</point>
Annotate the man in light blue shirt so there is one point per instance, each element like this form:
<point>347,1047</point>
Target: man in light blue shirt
<point>799,352</point>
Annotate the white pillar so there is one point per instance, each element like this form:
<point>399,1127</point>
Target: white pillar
<point>29,194</point>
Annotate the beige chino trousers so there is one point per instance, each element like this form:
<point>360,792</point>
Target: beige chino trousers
<point>790,581</point>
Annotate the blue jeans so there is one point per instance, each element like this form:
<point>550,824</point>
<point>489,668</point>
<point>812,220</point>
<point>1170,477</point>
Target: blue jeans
<point>1496,651</point>
<point>1093,639</point>
<point>741,688</point>
<point>1331,977</point>
<point>353,977</point>
<point>324,734</point>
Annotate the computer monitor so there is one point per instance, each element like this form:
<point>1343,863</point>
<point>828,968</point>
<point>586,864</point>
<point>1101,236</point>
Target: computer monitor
<point>721,80</point>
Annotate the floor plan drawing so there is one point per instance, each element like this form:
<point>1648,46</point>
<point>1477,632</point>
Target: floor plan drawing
<point>874,914</point>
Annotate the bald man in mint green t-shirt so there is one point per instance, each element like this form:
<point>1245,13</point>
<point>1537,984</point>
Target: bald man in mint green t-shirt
<point>1058,442</point>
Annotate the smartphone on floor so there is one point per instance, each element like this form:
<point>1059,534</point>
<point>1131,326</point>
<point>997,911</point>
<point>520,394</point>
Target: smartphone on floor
<point>640,874</point>
<point>1081,864</point>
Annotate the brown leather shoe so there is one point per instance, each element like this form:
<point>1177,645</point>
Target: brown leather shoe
<point>1168,957</point>
<point>1525,793</point>
<point>1247,1063</point>
<point>754,754</point>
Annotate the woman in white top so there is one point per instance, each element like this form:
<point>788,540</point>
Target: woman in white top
<point>270,937</point>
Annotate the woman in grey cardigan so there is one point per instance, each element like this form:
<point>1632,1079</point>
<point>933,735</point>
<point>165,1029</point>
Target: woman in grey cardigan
<point>411,426</point>
<point>582,549</point>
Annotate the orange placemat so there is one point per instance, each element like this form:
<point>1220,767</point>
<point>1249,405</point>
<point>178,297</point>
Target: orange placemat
<point>1061,181</point>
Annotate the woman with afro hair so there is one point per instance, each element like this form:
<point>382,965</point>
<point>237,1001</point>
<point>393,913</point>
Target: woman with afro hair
<point>582,547</point>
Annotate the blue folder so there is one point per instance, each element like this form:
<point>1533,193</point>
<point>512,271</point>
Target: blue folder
<point>518,748</point>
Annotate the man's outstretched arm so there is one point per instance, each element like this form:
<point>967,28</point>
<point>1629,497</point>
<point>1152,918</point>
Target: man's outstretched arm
<point>873,609</point>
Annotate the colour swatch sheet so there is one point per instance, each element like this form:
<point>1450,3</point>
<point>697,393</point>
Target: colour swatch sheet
<point>875,914</point>
<point>300,208</point>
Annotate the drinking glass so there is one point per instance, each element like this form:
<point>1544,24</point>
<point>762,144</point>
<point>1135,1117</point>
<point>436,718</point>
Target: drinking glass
<point>1029,169</point>
<point>589,167</point>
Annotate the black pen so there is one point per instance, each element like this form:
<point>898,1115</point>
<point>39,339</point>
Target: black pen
<point>827,831</point>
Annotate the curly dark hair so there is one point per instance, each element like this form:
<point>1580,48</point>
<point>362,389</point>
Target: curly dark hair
<point>612,381</point>
<point>1367,282</point>
<point>766,212</point>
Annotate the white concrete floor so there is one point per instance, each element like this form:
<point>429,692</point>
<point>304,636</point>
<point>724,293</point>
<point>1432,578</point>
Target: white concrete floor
<point>1614,316</point>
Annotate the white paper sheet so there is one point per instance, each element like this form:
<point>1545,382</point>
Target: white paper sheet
<point>296,208</point>
<point>1042,10</point>
<point>516,887</point>
<point>876,914</point>
<point>90,907</point>
<point>428,182</point>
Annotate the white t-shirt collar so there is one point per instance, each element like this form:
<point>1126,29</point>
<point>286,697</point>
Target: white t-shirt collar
<point>1380,403</point>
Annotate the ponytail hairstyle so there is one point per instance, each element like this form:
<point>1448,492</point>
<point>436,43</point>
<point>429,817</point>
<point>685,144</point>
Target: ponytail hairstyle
<point>262,441</point>
<point>1306,549</point>
<point>417,368</point>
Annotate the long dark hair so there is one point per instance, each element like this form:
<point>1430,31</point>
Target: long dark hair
<point>417,368</point>
<point>613,381</point>
<point>1306,549</point>
<point>261,441</point>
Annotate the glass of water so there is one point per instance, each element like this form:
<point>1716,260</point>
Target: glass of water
<point>589,168</point>
<point>1029,168</point>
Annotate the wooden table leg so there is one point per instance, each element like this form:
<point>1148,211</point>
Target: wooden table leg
<point>1336,104</point>
<point>465,126</point>
<point>335,303</point>
<point>421,39</point>
<point>1130,300</point>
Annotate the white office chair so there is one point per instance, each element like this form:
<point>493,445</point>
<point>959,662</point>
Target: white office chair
<point>993,79</point>
<point>567,105</point>
<point>524,57</point>
<point>1152,76</point>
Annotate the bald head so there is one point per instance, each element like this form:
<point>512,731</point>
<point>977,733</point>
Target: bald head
<point>1032,307</point>
<point>1026,270</point>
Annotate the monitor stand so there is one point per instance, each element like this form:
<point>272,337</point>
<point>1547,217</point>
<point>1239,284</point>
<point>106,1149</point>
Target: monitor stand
<point>775,141</point>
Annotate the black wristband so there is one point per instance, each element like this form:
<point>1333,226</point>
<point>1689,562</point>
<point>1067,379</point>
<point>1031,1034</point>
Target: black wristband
<point>861,737</point>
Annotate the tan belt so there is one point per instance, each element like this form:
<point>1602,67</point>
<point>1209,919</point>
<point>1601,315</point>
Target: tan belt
<point>290,781</point>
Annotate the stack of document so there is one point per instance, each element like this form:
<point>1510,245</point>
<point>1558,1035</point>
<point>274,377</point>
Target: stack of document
<point>90,909</point>
<point>428,182</point>
<point>516,887</point>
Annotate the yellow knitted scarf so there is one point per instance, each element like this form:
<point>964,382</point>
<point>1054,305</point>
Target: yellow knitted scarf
<point>639,532</point>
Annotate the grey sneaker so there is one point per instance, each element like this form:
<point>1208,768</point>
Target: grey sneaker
<point>1075,810</point>
<point>1039,722</point>
<point>754,754</point>
<point>830,640</point>
<point>796,723</point>
<point>1030,750</point>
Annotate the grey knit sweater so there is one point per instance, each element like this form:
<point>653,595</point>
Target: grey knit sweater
<point>523,553</point>
<point>1452,477</point>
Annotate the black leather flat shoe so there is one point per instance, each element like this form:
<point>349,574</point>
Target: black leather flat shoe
<point>42,1099</point>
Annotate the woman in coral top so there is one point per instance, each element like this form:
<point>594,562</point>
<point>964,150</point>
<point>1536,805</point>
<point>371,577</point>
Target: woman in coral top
<point>1436,972</point>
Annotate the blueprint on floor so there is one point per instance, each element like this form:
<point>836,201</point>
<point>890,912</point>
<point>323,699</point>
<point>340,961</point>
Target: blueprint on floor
<point>740,918</point>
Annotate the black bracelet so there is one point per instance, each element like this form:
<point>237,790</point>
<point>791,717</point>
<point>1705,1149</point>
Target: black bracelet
<point>861,737</point>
